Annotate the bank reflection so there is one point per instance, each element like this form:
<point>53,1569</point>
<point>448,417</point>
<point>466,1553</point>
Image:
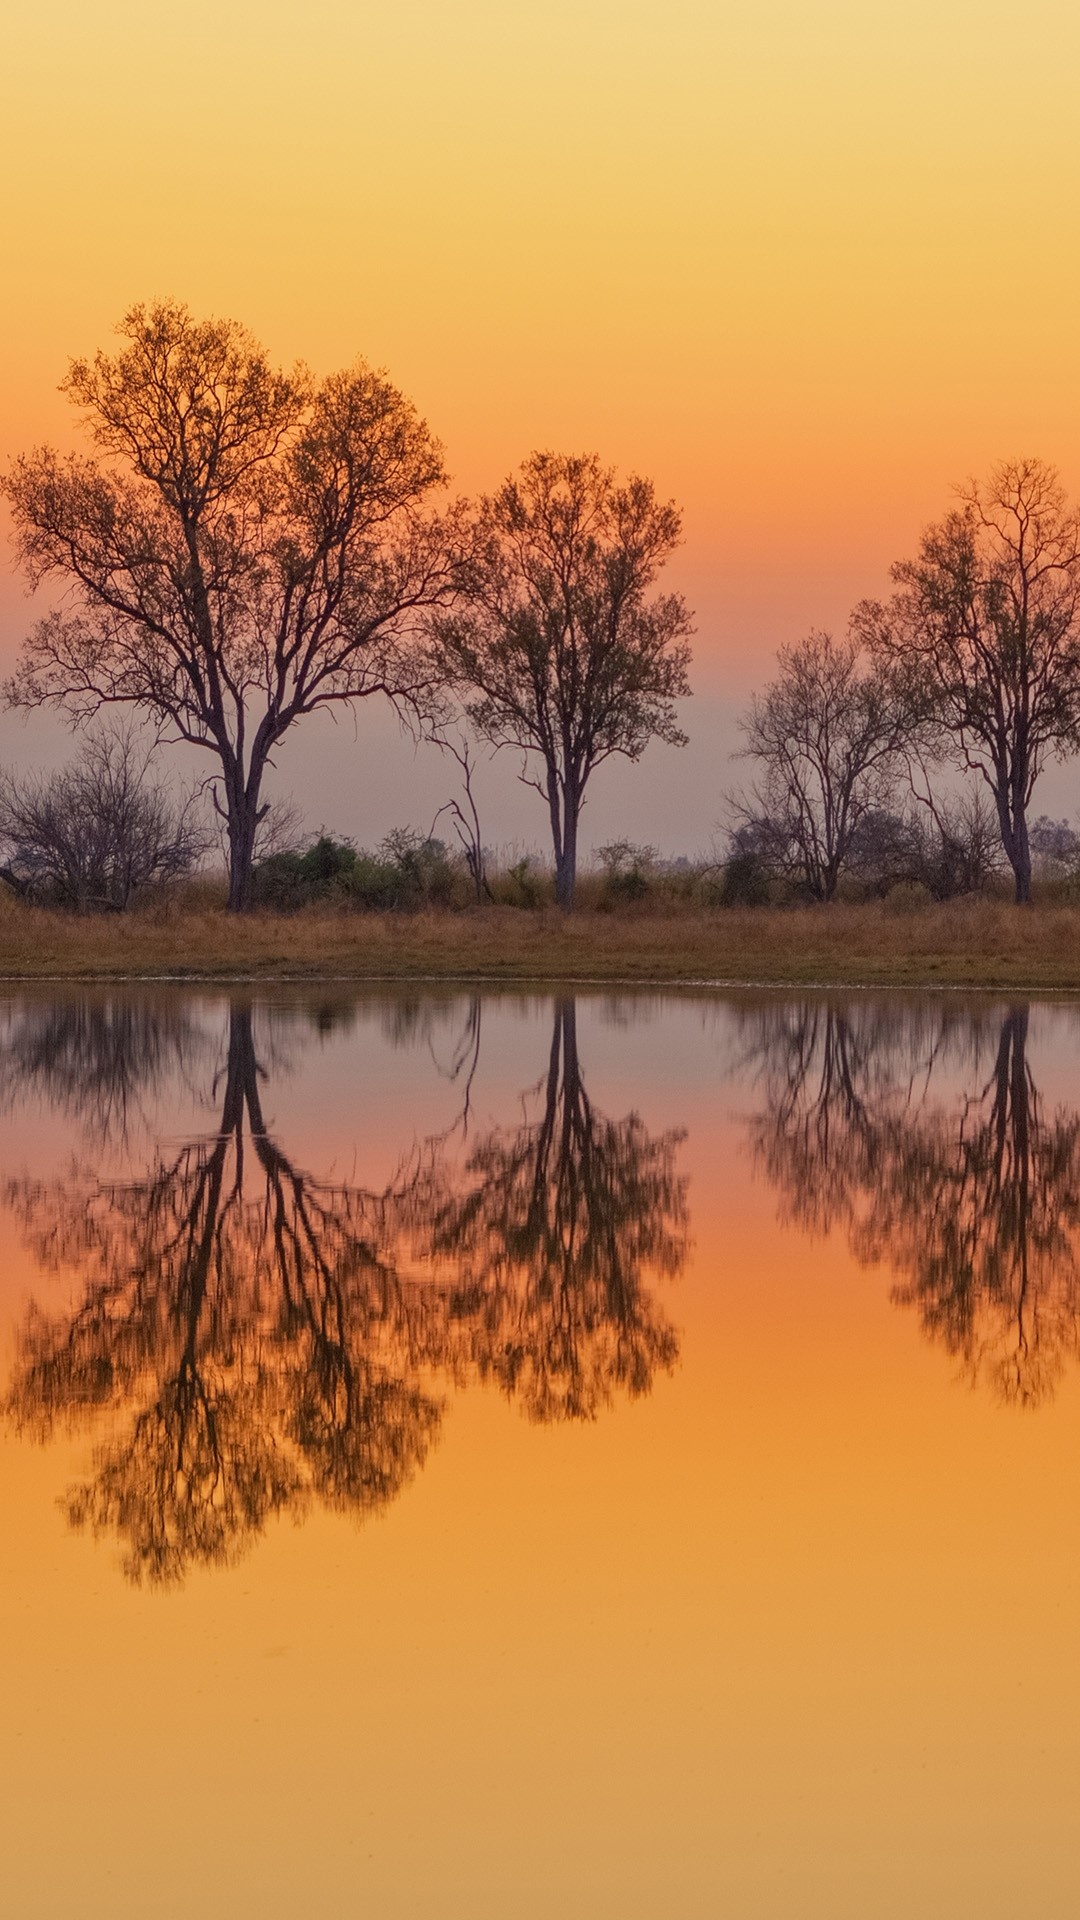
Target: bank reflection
<point>249,1338</point>
<point>921,1134</point>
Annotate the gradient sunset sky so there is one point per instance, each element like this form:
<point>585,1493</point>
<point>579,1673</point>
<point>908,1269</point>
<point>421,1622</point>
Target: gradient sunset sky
<point>805,264</point>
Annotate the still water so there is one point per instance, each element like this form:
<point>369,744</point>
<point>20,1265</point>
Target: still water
<point>517,1456</point>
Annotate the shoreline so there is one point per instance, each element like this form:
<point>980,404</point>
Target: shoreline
<point>980,945</point>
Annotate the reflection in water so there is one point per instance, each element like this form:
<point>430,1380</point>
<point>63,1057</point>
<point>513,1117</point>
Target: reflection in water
<point>547,1237</point>
<point>973,1200</point>
<point>94,1059</point>
<point>248,1338</point>
<point>256,1339</point>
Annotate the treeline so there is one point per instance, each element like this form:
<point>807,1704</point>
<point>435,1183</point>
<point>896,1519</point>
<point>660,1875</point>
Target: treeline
<point>245,546</point>
<point>910,750</point>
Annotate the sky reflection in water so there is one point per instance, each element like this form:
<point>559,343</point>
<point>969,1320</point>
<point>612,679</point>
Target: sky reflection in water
<point>278,1256</point>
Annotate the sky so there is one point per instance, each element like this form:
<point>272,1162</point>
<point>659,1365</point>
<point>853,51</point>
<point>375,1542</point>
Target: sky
<point>807,264</point>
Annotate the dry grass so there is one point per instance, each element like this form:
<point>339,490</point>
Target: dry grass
<point>976,943</point>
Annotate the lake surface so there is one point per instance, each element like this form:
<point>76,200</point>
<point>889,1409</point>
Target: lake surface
<point>524,1456</point>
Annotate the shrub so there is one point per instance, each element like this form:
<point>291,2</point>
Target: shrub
<point>409,870</point>
<point>520,885</point>
<point>98,833</point>
<point>628,869</point>
<point>907,896</point>
<point>744,880</point>
<point>290,880</point>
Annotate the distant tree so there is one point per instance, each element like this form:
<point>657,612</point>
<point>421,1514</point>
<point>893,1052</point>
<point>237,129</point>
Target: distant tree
<point>559,649</point>
<point>828,734</point>
<point>97,832</point>
<point>748,867</point>
<point>1055,844</point>
<point>628,868</point>
<point>985,627</point>
<point>885,852</point>
<point>247,547</point>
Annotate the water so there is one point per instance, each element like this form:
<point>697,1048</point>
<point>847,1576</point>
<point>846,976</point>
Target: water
<point>517,1456</point>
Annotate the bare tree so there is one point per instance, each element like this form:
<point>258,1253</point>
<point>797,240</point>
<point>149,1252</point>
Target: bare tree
<point>985,624</point>
<point>957,839</point>
<point>828,734</point>
<point>248,547</point>
<point>464,812</point>
<point>560,651</point>
<point>96,833</point>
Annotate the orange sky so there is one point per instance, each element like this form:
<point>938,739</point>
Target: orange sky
<point>807,264</point>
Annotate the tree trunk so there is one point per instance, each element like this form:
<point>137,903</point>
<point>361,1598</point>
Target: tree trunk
<point>1012,819</point>
<point>566,857</point>
<point>242,820</point>
<point>1022,861</point>
<point>566,1023</point>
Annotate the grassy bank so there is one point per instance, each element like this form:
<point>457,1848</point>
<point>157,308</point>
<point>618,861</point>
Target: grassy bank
<point>968,943</point>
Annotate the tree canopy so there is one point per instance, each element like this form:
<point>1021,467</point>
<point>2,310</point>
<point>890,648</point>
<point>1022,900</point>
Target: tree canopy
<point>985,628</point>
<point>560,648</point>
<point>246,546</point>
<point>827,734</point>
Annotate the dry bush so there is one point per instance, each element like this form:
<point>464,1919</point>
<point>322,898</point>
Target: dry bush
<point>93,836</point>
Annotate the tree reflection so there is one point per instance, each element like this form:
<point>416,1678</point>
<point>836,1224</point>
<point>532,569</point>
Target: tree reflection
<point>975,1203</point>
<point>254,1339</point>
<point>96,1057</point>
<point>547,1236</point>
<point>244,1314</point>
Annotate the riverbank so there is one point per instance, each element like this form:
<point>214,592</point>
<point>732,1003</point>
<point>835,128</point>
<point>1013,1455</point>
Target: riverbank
<point>964,943</point>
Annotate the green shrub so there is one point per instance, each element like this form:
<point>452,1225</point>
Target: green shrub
<point>289,881</point>
<point>745,880</point>
<point>408,871</point>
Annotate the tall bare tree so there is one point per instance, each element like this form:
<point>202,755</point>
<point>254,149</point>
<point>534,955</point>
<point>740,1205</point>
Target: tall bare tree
<point>985,625</point>
<point>560,651</point>
<point>828,734</point>
<point>247,546</point>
